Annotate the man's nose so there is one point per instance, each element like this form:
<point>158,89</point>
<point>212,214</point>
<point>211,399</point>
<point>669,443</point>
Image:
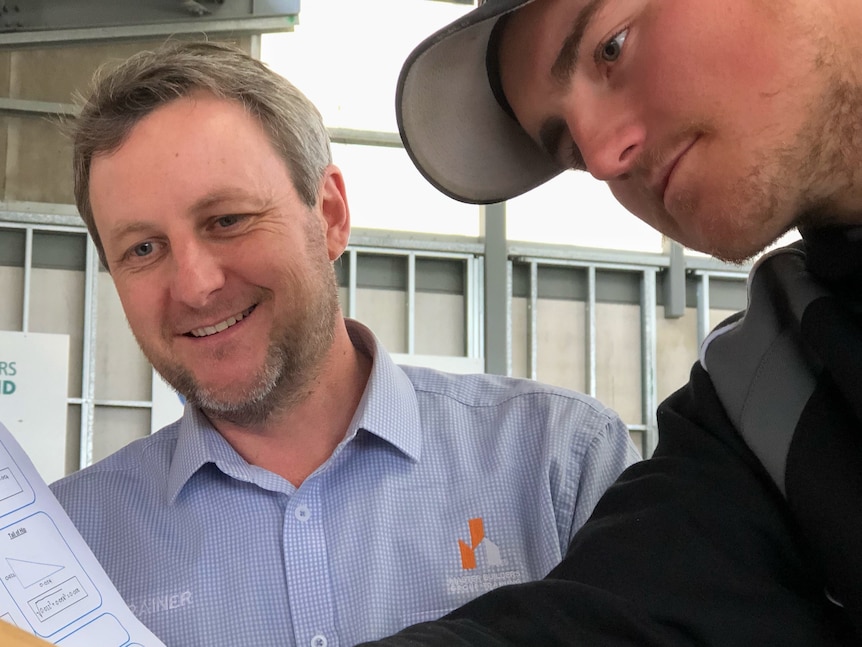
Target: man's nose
<point>610,140</point>
<point>197,273</point>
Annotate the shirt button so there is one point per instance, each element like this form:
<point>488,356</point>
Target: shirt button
<point>318,641</point>
<point>303,513</point>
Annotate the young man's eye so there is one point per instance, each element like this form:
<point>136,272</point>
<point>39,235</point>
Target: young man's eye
<point>610,50</point>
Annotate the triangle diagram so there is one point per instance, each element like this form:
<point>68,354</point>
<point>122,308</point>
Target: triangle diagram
<point>28,573</point>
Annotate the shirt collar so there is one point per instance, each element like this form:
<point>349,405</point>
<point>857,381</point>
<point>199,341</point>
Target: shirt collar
<point>198,443</point>
<point>388,409</point>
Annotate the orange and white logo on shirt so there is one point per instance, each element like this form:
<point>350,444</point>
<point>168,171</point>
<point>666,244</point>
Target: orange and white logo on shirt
<point>482,566</point>
<point>479,543</point>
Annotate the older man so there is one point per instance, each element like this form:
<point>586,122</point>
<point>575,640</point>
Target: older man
<point>723,124</point>
<point>313,493</point>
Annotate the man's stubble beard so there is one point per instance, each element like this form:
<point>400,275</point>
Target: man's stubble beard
<point>799,184</point>
<point>294,358</point>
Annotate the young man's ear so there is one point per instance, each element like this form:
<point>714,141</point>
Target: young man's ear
<point>332,199</point>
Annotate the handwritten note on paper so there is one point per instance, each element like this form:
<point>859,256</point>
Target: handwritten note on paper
<point>52,584</point>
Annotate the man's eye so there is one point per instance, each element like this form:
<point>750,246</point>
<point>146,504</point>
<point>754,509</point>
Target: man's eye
<point>610,51</point>
<point>227,221</point>
<point>144,249</point>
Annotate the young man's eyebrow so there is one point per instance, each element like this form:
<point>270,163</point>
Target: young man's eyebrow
<point>567,58</point>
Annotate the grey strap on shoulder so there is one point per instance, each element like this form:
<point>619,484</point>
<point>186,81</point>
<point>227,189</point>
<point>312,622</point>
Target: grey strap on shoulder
<point>758,364</point>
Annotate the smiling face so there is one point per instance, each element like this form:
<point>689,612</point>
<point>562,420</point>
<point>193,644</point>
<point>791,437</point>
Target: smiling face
<point>224,274</point>
<point>714,122</point>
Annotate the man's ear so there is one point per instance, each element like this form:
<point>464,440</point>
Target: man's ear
<point>332,201</point>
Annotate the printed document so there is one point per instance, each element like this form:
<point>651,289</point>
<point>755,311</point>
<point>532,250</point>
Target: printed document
<point>53,585</point>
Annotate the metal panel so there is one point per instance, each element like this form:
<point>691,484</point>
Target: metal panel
<point>508,350</point>
<point>143,32</point>
<point>496,289</point>
<point>411,275</point>
<point>41,213</point>
<point>40,22</point>
<point>585,256</point>
<point>649,363</point>
<point>674,283</point>
<point>411,303</point>
<point>702,308</point>
<point>365,137</point>
<point>28,276</point>
<point>648,327</point>
<point>351,285</point>
<point>88,381</point>
<point>590,330</point>
<point>705,291</point>
<point>30,108</point>
<point>533,323</point>
<point>472,290</point>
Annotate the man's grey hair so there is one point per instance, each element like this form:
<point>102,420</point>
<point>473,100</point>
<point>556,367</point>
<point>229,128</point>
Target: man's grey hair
<point>119,99</point>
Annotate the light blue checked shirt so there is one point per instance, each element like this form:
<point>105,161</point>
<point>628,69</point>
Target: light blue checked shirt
<point>444,487</point>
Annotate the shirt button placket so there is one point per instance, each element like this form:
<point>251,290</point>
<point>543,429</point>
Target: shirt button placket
<point>307,564</point>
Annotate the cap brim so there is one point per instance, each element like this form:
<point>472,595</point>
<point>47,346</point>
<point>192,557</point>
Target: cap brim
<point>453,128</point>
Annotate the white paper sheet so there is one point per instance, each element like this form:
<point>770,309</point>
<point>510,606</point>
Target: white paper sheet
<point>52,584</point>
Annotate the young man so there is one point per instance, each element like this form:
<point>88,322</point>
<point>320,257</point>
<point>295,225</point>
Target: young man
<point>313,492</point>
<point>723,124</point>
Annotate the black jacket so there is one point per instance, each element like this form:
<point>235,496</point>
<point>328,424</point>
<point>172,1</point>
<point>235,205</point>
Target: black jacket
<point>744,528</point>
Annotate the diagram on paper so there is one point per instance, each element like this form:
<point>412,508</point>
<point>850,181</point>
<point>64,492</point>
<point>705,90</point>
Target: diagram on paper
<point>51,594</point>
<point>52,585</point>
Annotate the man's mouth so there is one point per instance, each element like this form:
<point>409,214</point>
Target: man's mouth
<point>221,326</point>
<point>667,172</point>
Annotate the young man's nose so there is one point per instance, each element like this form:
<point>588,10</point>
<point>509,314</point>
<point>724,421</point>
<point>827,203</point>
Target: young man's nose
<point>609,141</point>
